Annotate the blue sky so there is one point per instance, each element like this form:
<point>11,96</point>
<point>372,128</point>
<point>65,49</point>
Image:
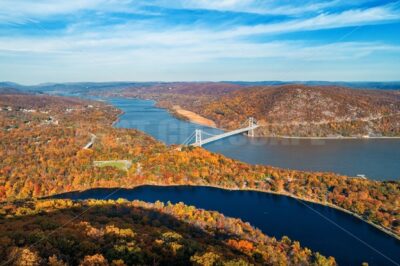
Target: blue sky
<point>198,40</point>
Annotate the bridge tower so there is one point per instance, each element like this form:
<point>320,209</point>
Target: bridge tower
<point>198,138</point>
<point>252,123</point>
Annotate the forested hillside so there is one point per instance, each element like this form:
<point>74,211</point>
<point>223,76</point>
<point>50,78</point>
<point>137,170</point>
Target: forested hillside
<point>41,153</point>
<point>287,110</point>
<point>63,232</point>
<point>296,110</point>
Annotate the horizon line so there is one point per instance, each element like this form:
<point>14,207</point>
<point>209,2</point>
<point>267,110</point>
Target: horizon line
<point>197,81</point>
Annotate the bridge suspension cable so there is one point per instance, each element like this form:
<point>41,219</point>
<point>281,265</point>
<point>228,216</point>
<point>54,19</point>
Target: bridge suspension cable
<point>208,134</point>
<point>188,139</point>
<point>251,121</point>
<point>199,134</point>
<point>248,127</point>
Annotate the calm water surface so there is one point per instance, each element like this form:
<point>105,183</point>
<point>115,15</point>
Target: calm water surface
<point>376,158</point>
<point>322,229</point>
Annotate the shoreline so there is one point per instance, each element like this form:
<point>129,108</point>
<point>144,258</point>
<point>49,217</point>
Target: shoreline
<point>118,118</point>
<point>191,116</point>
<point>385,230</point>
<point>173,111</point>
<point>381,228</point>
<point>328,138</point>
<point>192,119</point>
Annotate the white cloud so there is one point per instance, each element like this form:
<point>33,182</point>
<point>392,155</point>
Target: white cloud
<point>27,8</point>
<point>347,18</point>
<point>12,11</point>
<point>23,10</point>
<point>293,7</point>
<point>144,45</point>
<point>126,58</point>
<point>192,44</point>
<point>218,5</point>
<point>179,46</point>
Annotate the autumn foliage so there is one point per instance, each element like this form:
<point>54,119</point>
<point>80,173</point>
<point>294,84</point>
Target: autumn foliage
<point>41,154</point>
<point>286,110</point>
<point>94,232</point>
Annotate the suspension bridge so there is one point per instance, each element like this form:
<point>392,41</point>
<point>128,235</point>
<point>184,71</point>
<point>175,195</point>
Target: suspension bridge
<point>199,140</point>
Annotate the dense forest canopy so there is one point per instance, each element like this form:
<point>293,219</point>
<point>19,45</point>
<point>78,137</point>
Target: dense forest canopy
<point>94,232</point>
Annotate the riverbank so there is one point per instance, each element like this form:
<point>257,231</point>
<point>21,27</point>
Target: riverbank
<point>326,204</point>
<point>322,203</point>
<point>118,117</point>
<point>193,117</point>
<point>327,138</point>
<point>186,115</point>
<point>385,230</point>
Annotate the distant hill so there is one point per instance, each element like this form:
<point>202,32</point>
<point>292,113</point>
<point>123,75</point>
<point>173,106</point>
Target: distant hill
<point>322,109</point>
<point>182,87</point>
<point>300,110</point>
<point>388,85</point>
<point>75,88</point>
<point>8,90</point>
<point>9,84</point>
<point>284,110</point>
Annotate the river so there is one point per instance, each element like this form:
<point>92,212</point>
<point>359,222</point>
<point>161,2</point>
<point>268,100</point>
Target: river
<point>323,229</point>
<point>375,158</point>
<point>326,230</point>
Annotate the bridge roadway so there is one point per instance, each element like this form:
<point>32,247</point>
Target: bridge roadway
<point>91,142</point>
<point>224,135</point>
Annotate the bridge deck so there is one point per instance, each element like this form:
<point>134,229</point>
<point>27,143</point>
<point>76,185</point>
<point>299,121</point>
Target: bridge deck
<point>225,135</point>
<point>91,142</point>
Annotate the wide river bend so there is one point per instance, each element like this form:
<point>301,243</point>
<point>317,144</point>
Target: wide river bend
<point>329,231</point>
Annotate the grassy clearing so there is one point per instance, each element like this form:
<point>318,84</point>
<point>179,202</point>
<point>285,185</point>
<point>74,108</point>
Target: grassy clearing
<point>119,164</point>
